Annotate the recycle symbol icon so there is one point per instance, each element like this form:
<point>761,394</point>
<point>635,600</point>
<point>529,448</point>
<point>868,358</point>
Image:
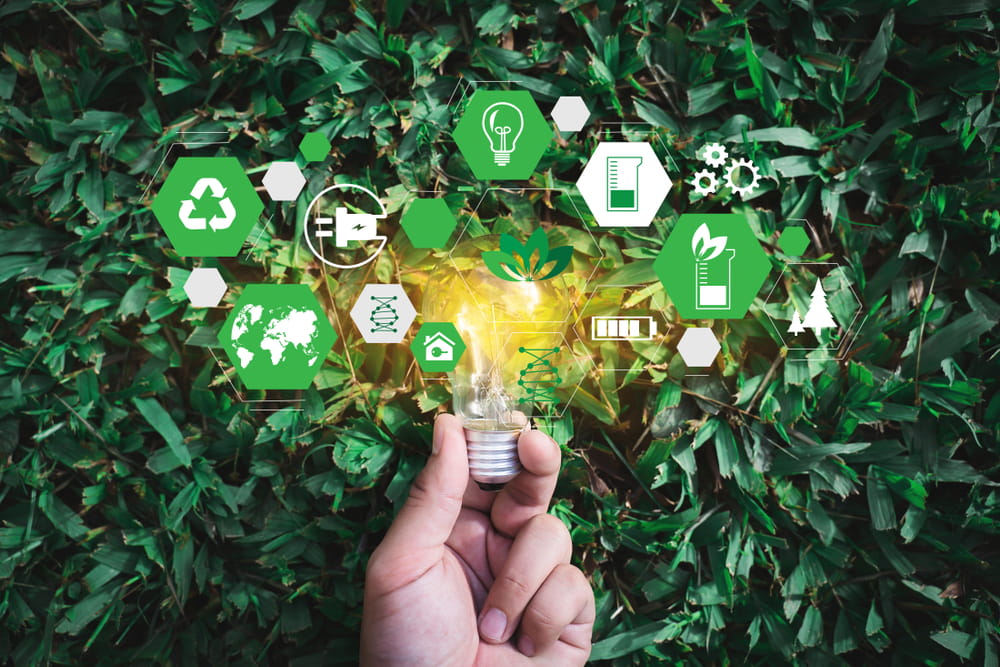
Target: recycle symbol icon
<point>197,192</point>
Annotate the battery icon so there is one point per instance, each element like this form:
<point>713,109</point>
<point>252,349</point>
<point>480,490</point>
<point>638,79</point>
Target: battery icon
<point>622,328</point>
<point>623,183</point>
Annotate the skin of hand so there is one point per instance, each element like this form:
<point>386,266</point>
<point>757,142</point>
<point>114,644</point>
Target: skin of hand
<point>468,577</point>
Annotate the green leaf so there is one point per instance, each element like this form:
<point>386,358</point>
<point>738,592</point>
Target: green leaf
<point>873,60</point>
<point>161,421</point>
<point>960,643</point>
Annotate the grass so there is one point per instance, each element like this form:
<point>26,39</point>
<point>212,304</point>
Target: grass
<point>829,512</point>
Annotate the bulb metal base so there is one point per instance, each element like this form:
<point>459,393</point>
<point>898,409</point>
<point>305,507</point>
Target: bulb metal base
<point>493,457</point>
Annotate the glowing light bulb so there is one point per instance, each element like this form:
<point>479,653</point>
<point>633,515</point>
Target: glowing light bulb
<point>503,123</point>
<point>513,333</point>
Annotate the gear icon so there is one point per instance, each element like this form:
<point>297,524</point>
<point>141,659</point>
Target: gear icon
<point>714,155</point>
<point>708,188</point>
<point>736,165</point>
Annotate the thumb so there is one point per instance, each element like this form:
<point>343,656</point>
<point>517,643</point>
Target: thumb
<point>419,531</point>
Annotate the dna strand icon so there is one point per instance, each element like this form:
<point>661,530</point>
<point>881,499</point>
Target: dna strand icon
<point>383,317</point>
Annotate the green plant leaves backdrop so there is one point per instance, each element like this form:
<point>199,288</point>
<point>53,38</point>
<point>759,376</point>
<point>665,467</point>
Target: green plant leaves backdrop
<point>822,513</point>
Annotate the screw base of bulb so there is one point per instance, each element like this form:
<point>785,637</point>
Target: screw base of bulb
<point>493,457</point>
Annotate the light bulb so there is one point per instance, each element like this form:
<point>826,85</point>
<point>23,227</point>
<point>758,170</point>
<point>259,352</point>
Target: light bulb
<point>503,123</point>
<point>513,336</point>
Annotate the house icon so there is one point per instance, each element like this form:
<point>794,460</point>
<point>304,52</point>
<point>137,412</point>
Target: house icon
<point>438,347</point>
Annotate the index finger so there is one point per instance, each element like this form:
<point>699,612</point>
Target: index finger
<point>530,492</point>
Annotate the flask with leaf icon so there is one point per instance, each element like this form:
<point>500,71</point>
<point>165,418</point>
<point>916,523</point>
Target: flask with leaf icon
<point>712,269</point>
<point>529,261</point>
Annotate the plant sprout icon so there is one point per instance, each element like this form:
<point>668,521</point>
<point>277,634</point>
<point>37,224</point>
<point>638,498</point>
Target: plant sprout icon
<point>712,269</point>
<point>502,124</point>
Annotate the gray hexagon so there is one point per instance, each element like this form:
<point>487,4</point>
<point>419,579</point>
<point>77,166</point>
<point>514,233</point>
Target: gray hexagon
<point>570,113</point>
<point>284,181</point>
<point>383,313</point>
<point>205,287</point>
<point>698,347</point>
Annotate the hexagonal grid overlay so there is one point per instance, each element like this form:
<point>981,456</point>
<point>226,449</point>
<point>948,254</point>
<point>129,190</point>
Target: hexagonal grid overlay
<point>793,241</point>
<point>315,146</point>
<point>712,266</point>
<point>502,134</point>
<point>205,287</point>
<point>570,113</point>
<point>284,181</point>
<point>428,223</point>
<point>207,206</point>
<point>277,336</point>
<point>819,318</point>
<point>383,313</point>
<point>437,347</point>
<point>624,184</point>
<point>698,347</point>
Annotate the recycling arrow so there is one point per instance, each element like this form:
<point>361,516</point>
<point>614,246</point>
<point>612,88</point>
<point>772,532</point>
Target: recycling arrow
<point>219,192</point>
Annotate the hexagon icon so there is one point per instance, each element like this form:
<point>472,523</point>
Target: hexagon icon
<point>207,206</point>
<point>570,113</point>
<point>383,313</point>
<point>315,146</point>
<point>712,266</point>
<point>624,184</point>
<point>205,287</point>
<point>428,223</point>
<point>437,347</point>
<point>793,241</point>
<point>698,347</point>
<point>284,181</point>
<point>277,336</point>
<point>502,134</point>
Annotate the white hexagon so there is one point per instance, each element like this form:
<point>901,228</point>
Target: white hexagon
<point>205,287</point>
<point>383,313</point>
<point>284,181</point>
<point>698,347</point>
<point>624,184</point>
<point>570,113</point>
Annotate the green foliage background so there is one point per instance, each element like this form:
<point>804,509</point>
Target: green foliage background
<point>822,513</point>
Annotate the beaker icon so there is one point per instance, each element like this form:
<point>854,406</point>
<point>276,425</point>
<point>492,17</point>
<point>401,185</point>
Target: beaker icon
<point>623,183</point>
<point>713,281</point>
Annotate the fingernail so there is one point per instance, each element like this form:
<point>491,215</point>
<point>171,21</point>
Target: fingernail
<point>526,646</point>
<point>493,624</point>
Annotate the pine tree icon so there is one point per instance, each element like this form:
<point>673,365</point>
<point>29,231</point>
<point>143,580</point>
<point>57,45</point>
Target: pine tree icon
<point>818,316</point>
<point>796,327</point>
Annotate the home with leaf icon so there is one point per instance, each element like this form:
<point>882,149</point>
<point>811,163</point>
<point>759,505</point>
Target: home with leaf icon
<point>438,347</point>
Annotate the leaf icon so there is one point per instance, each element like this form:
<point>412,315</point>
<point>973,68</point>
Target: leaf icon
<point>514,260</point>
<point>503,265</point>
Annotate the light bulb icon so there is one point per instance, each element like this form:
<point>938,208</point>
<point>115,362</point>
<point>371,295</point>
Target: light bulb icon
<point>503,123</point>
<point>513,332</point>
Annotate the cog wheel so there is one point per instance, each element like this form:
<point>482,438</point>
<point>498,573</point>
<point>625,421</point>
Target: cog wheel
<point>710,187</point>
<point>714,154</point>
<point>736,165</point>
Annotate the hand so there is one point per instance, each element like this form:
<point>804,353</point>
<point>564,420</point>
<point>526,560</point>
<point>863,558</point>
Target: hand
<point>467,577</point>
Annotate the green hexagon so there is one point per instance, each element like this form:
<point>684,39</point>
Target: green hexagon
<point>207,206</point>
<point>502,134</point>
<point>437,347</point>
<point>428,223</point>
<point>315,146</point>
<point>712,266</point>
<point>277,336</point>
<point>793,241</point>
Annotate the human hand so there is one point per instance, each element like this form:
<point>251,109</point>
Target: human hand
<point>468,577</point>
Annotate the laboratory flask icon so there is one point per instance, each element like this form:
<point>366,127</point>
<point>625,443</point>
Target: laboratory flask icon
<point>713,269</point>
<point>623,183</point>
